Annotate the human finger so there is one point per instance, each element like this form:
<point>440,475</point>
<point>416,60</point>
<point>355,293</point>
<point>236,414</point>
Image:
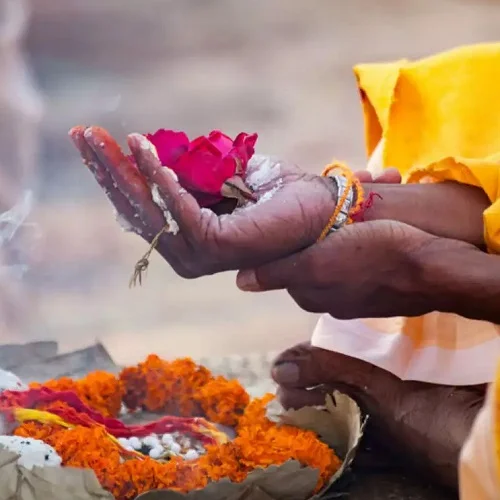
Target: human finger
<point>388,176</point>
<point>127,176</point>
<point>167,191</point>
<point>292,271</point>
<point>298,398</point>
<point>105,181</point>
<point>363,176</point>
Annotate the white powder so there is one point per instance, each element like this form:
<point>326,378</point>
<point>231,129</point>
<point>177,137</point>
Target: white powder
<point>124,223</point>
<point>173,227</point>
<point>149,146</point>
<point>11,382</point>
<point>261,170</point>
<point>158,198</point>
<point>266,196</point>
<point>160,202</point>
<point>31,452</point>
<point>209,214</point>
<point>172,173</point>
<point>269,194</point>
<point>146,145</point>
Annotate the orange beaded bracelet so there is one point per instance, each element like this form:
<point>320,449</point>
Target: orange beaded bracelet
<point>352,185</point>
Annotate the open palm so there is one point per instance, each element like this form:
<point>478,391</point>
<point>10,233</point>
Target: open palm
<point>292,208</point>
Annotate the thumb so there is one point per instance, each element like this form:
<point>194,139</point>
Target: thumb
<point>246,281</point>
<point>292,271</point>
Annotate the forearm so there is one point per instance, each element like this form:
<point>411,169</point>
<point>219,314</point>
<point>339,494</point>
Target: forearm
<point>460,279</point>
<point>448,210</point>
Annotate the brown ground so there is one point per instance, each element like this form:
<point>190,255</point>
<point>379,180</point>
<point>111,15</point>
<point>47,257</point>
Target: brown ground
<point>281,68</point>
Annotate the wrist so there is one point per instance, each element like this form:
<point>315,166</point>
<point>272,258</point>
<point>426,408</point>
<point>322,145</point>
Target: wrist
<point>457,278</point>
<point>448,209</point>
<point>327,203</point>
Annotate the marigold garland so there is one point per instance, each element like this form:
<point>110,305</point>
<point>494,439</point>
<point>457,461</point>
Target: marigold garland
<point>166,386</point>
<point>223,401</point>
<point>102,391</point>
<point>158,385</point>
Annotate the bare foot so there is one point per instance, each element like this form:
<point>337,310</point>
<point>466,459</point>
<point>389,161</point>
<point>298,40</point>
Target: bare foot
<point>425,424</point>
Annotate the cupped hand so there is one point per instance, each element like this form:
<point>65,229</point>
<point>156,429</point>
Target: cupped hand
<point>292,208</point>
<point>365,270</point>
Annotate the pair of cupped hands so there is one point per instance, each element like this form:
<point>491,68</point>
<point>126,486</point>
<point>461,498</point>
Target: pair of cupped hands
<point>365,269</point>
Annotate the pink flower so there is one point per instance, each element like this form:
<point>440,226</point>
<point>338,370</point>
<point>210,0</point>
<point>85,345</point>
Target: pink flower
<point>210,168</point>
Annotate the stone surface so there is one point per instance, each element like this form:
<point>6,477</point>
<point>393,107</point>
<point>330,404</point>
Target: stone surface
<point>74,364</point>
<point>13,356</point>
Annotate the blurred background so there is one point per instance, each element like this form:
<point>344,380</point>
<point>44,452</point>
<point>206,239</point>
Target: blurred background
<point>281,68</point>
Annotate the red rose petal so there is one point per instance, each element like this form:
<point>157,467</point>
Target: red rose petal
<point>204,164</point>
<point>202,171</point>
<point>221,141</point>
<point>203,144</point>
<point>169,144</point>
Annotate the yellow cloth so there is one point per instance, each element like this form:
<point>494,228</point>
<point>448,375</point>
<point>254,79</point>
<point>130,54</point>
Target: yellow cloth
<point>440,119</point>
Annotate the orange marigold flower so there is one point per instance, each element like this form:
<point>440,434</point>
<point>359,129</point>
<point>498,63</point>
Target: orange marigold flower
<point>102,391</point>
<point>224,462</point>
<point>85,447</point>
<point>36,430</point>
<point>223,401</point>
<point>135,387</point>
<point>131,478</point>
<point>185,476</point>
<point>159,385</point>
<point>255,413</point>
<point>278,443</point>
<point>60,384</point>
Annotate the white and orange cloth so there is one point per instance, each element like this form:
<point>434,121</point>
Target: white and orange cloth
<point>480,460</point>
<point>437,119</point>
<point>434,119</point>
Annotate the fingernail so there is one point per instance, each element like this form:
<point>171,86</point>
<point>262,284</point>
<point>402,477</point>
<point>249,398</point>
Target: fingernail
<point>247,281</point>
<point>286,373</point>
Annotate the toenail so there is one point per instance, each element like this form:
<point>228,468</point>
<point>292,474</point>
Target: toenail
<point>286,373</point>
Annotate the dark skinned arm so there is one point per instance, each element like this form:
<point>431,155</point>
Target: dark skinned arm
<point>463,280</point>
<point>449,210</point>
